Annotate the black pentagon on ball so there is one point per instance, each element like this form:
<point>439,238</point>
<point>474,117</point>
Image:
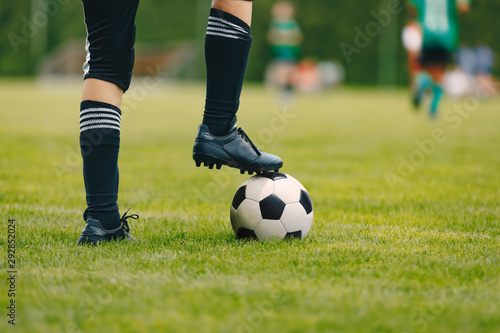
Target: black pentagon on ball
<point>271,207</point>
<point>305,201</point>
<point>244,233</point>
<point>274,175</point>
<point>239,196</point>
<point>295,234</point>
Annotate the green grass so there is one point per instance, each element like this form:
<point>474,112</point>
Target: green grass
<point>415,252</point>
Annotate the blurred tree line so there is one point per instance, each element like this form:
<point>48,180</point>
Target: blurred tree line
<point>31,29</point>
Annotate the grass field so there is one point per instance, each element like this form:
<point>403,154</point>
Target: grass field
<point>406,235</point>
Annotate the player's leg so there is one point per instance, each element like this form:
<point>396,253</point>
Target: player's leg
<point>242,9</point>
<point>437,73</point>
<point>421,82</point>
<point>436,67</point>
<point>108,70</point>
<point>227,46</point>
<point>422,79</point>
<point>434,61</point>
<point>102,91</point>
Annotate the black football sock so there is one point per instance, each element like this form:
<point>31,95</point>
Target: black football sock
<point>100,144</point>
<point>227,45</point>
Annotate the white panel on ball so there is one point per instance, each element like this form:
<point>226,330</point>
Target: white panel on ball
<point>296,182</point>
<point>259,188</point>
<point>246,182</point>
<point>249,214</point>
<point>307,226</point>
<point>269,229</point>
<point>287,191</point>
<point>294,217</point>
<point>235,222</point>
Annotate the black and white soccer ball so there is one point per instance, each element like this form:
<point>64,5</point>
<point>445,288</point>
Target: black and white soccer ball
<point>271,206</point>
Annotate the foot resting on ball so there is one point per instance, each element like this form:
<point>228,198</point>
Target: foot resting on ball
<point>234,149</point>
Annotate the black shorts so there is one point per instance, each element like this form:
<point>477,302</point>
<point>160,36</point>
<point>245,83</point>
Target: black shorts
<point>110,40</point>
<point>435,56</point>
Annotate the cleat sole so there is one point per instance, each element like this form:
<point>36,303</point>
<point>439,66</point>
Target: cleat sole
<point>210,161</point>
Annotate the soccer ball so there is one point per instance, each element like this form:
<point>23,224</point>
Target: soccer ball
<point>273,205</point>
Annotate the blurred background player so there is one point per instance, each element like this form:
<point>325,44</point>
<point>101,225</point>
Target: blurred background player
<point>285,38</point>
<point>307,77</point>
<point>485,61</point>
<point>438,20</point>
<point>108,71</point>
<point>474,70</point>
<point>460,81</point>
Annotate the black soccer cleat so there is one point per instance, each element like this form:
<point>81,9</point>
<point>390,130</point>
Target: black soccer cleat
<point>93,233</point>
<point>234,149</point>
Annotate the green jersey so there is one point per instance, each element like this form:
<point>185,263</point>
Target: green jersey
<point>439,21</point>
<point>285,37</point>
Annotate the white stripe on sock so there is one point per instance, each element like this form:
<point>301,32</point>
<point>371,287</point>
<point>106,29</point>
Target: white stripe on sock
<point>227,31</point>
<point>222,35</point>
<point>100,115</point>
<point>235,26</point>
<point>100,110</point>
<point>99,126</point>
<point>99,121</point>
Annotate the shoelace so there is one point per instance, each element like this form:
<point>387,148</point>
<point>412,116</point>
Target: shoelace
<point>247,139</point>
<point>124,220</point>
